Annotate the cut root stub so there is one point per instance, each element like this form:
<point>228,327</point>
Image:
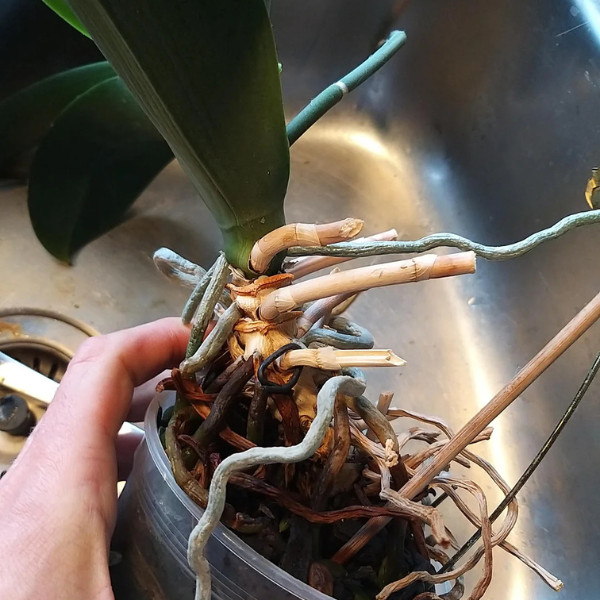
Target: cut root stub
<point>330,359</point>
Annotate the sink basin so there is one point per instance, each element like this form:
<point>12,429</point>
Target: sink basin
<point>485,124</point>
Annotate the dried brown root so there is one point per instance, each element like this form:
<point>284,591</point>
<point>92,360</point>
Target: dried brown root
<point>384,432</point>
<point>426,514</point>
<point>383,405</point>
<point>458,589</point>
<point>417,433</point>
<point>290,418</point>
<point>256,415</point>
<point>186,388</point>
<point>484,581</point>
<point>239,442</point>
<point>371,528</point>
<point>337,457</point>
<point>552,581</point>
<point>320,578</point>
<point>512,511</point>
<point>223,403</point>
<point>420,457</point>
<point>313,516</point>
<point>182,476</point>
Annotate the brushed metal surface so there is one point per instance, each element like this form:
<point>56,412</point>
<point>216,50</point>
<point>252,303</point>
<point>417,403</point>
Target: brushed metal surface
<point>486,125</point>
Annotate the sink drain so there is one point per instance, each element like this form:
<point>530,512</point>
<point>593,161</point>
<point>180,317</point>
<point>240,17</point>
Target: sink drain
<point>40,357</point>
<point>44,341</point>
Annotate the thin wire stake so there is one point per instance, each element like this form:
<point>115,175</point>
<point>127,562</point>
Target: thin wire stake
<point>532,466</point>
<point>439,500</point>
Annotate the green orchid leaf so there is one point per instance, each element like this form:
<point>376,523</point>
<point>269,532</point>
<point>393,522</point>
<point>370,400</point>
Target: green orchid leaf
<point>62,8</point>
<point>100,154</point>
<point>26,116</point>
<point>206,73</point>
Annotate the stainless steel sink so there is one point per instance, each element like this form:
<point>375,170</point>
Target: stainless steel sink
<point>486,125</point>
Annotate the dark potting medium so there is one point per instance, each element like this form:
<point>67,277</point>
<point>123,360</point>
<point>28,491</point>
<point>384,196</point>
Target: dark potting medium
<point>149,548</point>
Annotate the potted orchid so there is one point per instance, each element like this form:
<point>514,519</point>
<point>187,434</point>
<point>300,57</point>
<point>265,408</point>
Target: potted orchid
<point>270,398</point>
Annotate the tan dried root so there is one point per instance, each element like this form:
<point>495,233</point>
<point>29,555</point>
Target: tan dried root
<point>420,268</point>
<point>426,514</point>
<point>501,535</point>
<point>298,234</point>
<point>331,359</point>
<point>309,264</point>
<point>394,498</point>
<point>383,404</point>
<point>554,582</point>
<point>420,457</point>
<point>417,433</point>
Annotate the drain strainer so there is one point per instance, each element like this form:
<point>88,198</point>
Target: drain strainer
<point>44,341</point>
<point>40,357</point>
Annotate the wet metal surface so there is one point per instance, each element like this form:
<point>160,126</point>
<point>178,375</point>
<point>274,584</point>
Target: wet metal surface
<point>486,125</point>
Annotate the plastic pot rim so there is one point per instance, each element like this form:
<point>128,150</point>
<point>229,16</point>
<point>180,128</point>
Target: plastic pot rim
<point>221,534</point>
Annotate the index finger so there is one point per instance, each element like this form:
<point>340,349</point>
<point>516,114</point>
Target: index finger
<point>96,390</point>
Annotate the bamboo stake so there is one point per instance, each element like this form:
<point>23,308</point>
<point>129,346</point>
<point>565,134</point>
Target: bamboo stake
<point>294,234</point>
<point>309,264</point>
<point>522,380</point>
<point>428,266</point>
<point>569,334</point>
<point>330,359</point>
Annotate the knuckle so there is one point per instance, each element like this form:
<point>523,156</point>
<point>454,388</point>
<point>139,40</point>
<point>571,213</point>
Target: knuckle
<point>91,350</point>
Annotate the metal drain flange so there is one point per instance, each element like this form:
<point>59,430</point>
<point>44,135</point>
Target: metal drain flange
<point>44,341</point>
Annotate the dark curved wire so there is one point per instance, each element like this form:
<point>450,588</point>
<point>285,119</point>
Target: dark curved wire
<point>276,388</point>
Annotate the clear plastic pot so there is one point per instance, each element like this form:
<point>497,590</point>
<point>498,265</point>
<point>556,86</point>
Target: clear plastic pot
<point>150,542</point>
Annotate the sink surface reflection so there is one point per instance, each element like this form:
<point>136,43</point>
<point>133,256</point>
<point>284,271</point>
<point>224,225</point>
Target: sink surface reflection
<point>485,125</point>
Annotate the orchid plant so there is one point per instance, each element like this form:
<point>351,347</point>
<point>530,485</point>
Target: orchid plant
<point>270,396</point>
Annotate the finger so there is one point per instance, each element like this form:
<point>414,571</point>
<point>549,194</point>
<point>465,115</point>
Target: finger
<point>95,393</point>
<point>69,462</point>
<point>142,396</point>
<point>127,444</point>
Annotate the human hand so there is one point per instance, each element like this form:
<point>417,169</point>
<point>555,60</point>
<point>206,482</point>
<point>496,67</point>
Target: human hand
<point>58,499</point>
